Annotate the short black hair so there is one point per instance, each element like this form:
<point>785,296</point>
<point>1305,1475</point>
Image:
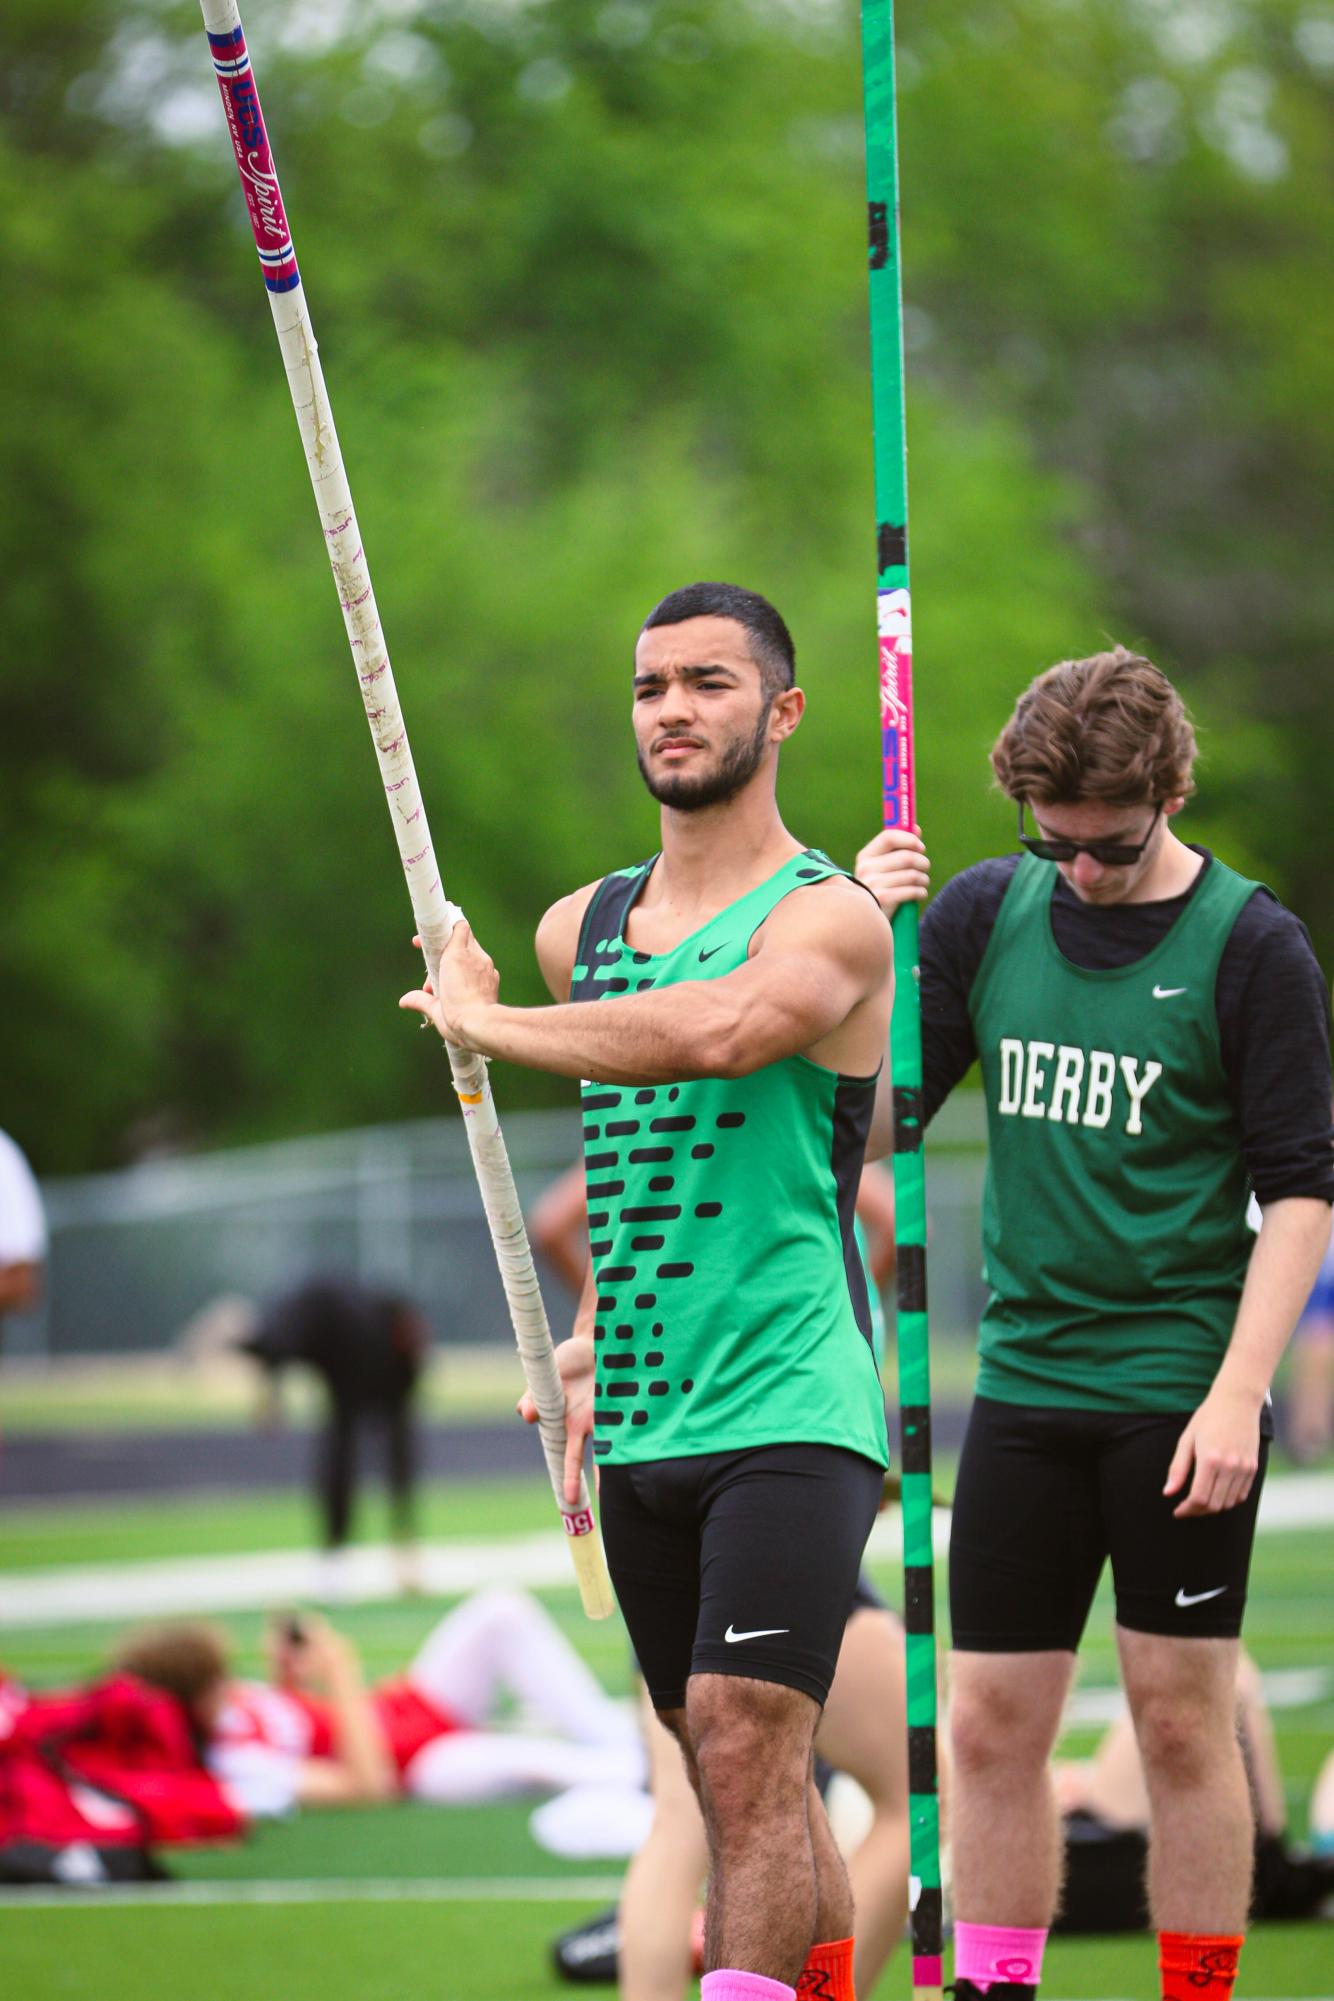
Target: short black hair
<point>770,641</point>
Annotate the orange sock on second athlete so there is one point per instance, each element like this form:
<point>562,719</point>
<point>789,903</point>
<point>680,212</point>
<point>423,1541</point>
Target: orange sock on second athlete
<point>827,1974</point>
<point>1198,1966</point>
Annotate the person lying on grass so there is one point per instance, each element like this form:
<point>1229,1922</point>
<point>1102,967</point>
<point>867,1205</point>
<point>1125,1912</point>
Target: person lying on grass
<point>315,1735</point>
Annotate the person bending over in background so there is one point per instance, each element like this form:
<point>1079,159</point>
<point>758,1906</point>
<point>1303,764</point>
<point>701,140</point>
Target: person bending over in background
<point>368,1348</point>
<point>1152,1030</point>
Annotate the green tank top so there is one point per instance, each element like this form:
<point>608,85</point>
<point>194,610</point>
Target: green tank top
<point>878,1335</point>
<point>1114,1218</point>
<point>732,1305</point>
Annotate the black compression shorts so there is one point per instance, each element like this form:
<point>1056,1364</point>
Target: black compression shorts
<point>1045,1497</point>
<point>739,1562</point>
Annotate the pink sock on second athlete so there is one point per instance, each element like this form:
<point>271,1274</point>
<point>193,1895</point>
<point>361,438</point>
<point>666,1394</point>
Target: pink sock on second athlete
<point>727,1984</point>
<point>998,1955</point>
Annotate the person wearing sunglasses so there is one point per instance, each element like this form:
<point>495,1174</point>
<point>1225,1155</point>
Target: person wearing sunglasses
<point>1153,1036</point>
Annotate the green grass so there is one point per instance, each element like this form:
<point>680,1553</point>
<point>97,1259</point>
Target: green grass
<point>493,1950</point>
<point>38,1535</point>
<point>486,1951</point>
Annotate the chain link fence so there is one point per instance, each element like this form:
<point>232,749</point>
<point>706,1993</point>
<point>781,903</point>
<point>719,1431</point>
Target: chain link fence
<point>137,1255</point>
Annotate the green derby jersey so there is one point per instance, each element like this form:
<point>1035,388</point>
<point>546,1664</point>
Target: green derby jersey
<point>1114,1220</point>
<point>732,1305</point>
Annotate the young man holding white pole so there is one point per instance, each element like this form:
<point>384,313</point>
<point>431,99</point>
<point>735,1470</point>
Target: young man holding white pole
<point>722,1357</point>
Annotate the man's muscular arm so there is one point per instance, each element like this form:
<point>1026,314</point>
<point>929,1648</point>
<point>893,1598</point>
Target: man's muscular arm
<point>817,956</point>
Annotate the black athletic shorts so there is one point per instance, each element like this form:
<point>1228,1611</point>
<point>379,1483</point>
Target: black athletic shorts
<point>1044,1497</point>
<point>739,1562</point>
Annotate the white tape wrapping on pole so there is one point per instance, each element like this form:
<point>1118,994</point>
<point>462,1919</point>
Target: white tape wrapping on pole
<point>434,913</point>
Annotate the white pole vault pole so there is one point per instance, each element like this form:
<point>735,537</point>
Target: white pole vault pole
<point>434,913</point>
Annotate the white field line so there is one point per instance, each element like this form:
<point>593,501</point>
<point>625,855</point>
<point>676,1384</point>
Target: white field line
<point>324,1890</point>
<point>181,1586</point>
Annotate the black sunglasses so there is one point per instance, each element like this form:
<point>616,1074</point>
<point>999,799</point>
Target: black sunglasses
<point>1111,854</point>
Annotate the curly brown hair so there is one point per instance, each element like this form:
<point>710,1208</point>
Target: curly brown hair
<point>1111,727</point>
<point>187,1658</point>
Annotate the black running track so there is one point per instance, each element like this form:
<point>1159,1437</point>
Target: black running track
<point>74,1465</point>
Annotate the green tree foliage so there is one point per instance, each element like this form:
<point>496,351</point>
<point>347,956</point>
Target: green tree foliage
<point>588,277</point>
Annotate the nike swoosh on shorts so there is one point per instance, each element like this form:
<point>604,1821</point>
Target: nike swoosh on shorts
<point>765,1632</point>
<point>1198,1597</point>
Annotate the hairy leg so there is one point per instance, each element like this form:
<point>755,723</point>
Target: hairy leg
<point>863,1733</point>
<point>833,1890</point>
<point>1183,1698</point>
<point>1005,1712</point>
<point>666,1877</point>
<point>751,1743</point>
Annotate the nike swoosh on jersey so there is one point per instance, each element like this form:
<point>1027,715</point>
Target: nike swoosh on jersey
<point>764,1632</point>
<point>1198,1597</point>
<point>1168,993</point>
<point>712,951</point>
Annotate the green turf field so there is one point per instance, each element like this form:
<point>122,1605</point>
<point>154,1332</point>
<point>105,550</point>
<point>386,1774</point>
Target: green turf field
<point>408,1901</point>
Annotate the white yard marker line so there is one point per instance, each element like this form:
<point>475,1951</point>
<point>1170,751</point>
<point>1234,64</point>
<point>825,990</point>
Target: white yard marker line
<point>323,1890</point>
<point>186,1585</point>
<point>181,1586</point>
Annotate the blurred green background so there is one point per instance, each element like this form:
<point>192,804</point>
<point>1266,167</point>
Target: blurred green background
<point>588,277</point>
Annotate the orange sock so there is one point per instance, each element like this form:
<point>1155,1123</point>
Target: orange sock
<point>827,1974</point>
<point>1198,1966</point>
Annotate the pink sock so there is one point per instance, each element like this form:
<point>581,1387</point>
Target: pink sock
<point>729,1985</point>
<point>998,1955</point>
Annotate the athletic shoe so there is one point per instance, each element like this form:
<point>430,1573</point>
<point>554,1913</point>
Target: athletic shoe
<point>1290,1883</point>
<point>588,1952</point>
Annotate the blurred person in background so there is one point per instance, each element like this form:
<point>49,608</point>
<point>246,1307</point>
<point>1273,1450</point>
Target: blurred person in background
<point>314,1734</point>
<point>1104,1805</point>
<point>369,1348</point>
<point>1322,1809</point>
<point>22,1234</point>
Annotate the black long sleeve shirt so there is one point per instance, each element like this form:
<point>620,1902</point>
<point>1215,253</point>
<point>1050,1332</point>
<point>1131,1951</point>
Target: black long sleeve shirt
<point>1270,994</point>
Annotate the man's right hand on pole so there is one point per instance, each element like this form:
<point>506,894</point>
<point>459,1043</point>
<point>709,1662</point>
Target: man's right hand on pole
<point>574,1359</point>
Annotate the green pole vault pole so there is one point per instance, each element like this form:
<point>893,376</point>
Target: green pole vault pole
<point>894,625</point>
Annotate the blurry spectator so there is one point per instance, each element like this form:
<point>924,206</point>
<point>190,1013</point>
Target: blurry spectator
<point>22,1234</point>
<point>558,1226</point>
<point>1322,1809</point>
<point>369,1349</point>
<point>315,1735</point>
<point>1308,1428</point>
<point>1105,1807</point>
